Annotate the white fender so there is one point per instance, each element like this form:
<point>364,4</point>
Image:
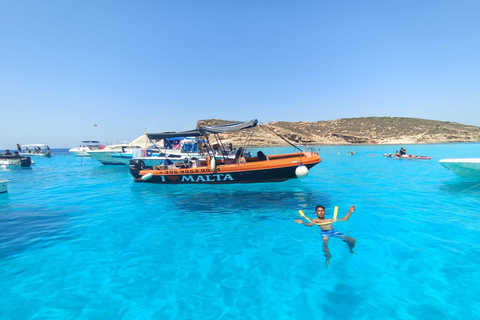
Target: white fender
<point>301,172</point>
<point>147,176</point>
<point>213,164</point>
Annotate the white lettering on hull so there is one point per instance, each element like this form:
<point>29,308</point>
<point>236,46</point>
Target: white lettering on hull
<point>205,178</point>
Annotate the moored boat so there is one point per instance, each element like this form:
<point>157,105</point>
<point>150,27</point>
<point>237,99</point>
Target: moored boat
<point>87,145</point>
<point>167,150</point>
<point>105,155</point>
<point>36,150</point>
<point>409,157</point>
<point>463,167</point>
<point>240,169</point>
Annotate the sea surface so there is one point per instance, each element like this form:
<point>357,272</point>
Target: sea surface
<point>82,240</point>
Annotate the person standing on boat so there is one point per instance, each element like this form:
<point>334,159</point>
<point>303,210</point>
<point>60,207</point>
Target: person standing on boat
<point>328,230</point>
<point>19,148</point>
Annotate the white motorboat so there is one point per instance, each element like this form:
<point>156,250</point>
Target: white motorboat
<point>105,155</point>
<point>3,185</point>
<point>167,150</point>
<point>463,167</point>
<point>36,150</point>
<point>87,145</point>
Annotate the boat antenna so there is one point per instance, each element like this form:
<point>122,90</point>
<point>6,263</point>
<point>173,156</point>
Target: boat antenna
<point>152,124</point>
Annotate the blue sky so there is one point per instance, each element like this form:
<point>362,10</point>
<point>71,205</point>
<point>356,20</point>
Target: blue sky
<point>131,66</point>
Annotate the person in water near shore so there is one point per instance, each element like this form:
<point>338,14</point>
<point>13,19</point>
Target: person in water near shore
<point>328,230</point>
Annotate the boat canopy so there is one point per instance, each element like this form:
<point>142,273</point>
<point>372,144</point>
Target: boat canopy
<point>201,131</point>
<point>33,145</point>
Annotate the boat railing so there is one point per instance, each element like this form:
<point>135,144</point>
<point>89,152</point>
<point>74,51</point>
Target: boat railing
<point>309,149</point>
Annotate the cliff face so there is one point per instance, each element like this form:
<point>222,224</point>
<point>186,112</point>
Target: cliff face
<point>368,130</point>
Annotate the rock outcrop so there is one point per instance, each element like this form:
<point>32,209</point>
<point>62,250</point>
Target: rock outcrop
<point>368,130</point>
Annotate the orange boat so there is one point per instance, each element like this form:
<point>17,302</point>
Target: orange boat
<point>221,169</point>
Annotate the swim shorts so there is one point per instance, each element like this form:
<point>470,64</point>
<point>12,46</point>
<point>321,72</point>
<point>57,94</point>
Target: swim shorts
<point>331,233</point>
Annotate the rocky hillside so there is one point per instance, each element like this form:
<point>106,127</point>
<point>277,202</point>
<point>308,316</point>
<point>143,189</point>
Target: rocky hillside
<point>368,130</point>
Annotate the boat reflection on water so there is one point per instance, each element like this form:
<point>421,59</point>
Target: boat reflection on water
<point>260,199</point>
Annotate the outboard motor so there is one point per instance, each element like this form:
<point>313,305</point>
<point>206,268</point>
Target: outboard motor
<point>25,162</point>
<point>136,165</point>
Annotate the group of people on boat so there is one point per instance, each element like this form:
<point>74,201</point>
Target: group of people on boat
<point>8,153</point>
<point>402,154</point>
<point>36,149</point>
<point>398,154</point>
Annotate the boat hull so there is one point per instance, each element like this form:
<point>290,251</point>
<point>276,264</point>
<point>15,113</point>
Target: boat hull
<point>465,168</point>
<point>273,170</point>
<point>4,186</point>
<point>35,154</point>
<point>15,162</point>
<point>105,157</point>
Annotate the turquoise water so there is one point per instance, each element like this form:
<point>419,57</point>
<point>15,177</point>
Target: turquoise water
<point>81,240</point>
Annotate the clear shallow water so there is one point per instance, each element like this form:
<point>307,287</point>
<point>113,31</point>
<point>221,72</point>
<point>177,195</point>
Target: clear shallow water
<point>81,240</point>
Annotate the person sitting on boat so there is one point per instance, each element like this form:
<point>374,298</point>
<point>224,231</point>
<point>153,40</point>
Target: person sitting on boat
<point>402,151</point>
<point>8,153</point>
<point>28,150</point>
<point>328,230</point>
<point>16,154</point>
<point>201,149</point>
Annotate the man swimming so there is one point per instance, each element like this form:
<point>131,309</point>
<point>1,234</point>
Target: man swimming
<point>328,230</point>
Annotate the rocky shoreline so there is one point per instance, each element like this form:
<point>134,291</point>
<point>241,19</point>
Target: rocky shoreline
<point>352,131</point>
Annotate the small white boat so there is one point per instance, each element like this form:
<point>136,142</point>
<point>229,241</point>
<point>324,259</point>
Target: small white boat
<point>86,146</point>
<point>36,150</point>
<point>3,185</point>
<point>466,167</point>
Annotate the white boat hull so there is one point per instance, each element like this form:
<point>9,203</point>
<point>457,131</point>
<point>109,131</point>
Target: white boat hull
<point>466,168</point>
<point>32,154</point>
<point>3,186</point>
<point>105,157</point>
<point>80,152</point>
